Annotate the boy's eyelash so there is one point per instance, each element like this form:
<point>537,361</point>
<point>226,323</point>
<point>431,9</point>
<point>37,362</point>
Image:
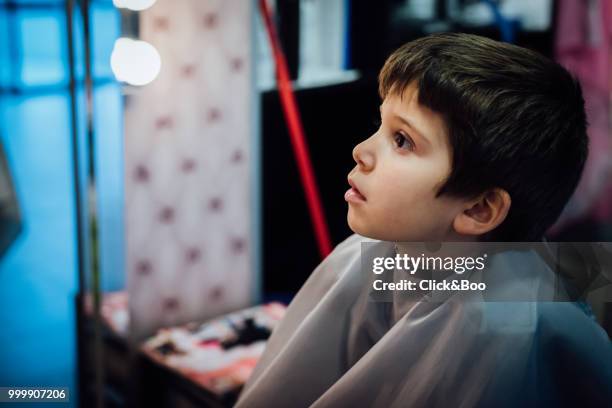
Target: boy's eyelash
<point>378,122</point>
<point>404,138</point>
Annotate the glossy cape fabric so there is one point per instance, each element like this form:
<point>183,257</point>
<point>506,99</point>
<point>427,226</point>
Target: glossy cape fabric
<point>337,348</point>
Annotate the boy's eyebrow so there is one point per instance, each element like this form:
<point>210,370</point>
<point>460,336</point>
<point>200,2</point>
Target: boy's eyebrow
<point>410,125</point>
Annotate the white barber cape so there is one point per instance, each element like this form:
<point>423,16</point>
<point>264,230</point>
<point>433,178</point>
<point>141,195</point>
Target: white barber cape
<point>337,348</point>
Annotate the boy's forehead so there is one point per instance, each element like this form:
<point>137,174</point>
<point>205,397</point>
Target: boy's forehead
<point>406,107</point>
<point>404,101</point>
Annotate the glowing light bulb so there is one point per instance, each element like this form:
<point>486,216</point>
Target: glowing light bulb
<point>136,5</point>
<point>135,62</point>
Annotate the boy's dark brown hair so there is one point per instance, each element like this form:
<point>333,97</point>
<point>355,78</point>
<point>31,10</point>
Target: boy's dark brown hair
<point>515,119</point>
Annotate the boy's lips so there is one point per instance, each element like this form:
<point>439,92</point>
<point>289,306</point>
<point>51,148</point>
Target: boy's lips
<point>353,194</point>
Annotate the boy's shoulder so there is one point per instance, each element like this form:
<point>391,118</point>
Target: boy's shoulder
<point>563,320</point>
<point>346,257</point>
<point>577,351</point>
<point>571,325</point>
<point>351,243</point>
<point>327,273</point>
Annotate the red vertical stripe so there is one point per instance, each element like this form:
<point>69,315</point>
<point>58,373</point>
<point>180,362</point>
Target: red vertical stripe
<point>298,141</point>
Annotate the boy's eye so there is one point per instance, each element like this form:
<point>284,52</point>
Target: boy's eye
<point>402,141</point>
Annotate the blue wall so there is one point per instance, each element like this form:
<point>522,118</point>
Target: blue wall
<point>38,274</point>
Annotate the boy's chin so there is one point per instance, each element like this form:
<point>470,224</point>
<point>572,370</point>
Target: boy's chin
<point>356,226</point>
<point>374,231</point>
<point>360,228</point>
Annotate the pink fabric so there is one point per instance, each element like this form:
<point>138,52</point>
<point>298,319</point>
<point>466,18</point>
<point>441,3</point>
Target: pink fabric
<point>188,167</point>
<point>584,46</point>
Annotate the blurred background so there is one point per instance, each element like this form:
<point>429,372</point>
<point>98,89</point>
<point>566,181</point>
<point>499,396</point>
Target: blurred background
<point>153,220</point>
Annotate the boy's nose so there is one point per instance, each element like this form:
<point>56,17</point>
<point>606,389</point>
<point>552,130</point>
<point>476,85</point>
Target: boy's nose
<point>363,157</point>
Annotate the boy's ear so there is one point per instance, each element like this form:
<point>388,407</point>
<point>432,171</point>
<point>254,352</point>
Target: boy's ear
<point>484,213</point>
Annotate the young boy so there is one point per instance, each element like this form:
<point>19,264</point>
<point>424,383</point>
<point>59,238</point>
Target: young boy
<point>479,141</point>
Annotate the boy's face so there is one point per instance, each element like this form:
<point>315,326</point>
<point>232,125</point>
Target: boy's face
<point>399,170</point>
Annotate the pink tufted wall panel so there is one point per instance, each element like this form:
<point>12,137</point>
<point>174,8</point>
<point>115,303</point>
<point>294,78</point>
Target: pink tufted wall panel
<point>187,178</point>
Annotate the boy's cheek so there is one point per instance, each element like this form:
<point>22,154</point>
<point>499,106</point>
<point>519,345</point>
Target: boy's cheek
<point>377,223</point>
<point>358,223</point>
<point>411,221</point>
